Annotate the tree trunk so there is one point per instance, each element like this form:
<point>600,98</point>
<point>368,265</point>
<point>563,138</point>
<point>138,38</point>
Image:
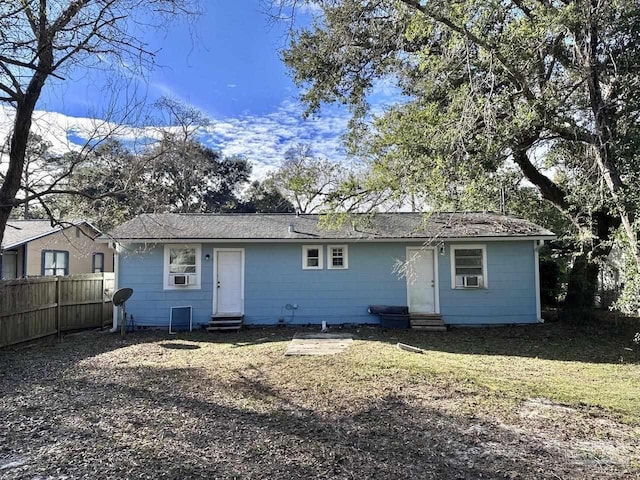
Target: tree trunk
<point>583,277</point>
<point>604,115</point>
<point>581,291</point>
<point>26,211</point>
<point>12,181</point>
<point>20,136</point>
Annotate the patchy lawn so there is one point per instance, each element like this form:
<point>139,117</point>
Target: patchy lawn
<point>536,402</point>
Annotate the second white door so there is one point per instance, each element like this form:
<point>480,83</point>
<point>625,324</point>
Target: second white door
<point>229,284</point>
<point>421,281</point>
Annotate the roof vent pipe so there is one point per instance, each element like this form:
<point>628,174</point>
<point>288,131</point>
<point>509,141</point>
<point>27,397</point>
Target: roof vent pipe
<point>292,228</point>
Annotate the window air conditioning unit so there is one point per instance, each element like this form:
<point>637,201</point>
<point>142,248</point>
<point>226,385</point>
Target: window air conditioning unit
<point>471,281</point>
<point>182,280</point>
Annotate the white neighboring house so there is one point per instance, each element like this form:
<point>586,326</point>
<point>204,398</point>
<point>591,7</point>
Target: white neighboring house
<point>34,248</point>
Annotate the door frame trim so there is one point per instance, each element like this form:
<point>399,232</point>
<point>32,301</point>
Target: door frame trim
<point>436,280</point>
<point>215,279</point>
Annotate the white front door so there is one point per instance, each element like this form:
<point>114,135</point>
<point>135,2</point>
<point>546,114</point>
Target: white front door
<point>421,280</point>
<point>229,282</point>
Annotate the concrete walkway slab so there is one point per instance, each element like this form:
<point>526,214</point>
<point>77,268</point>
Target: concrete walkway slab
<point>319,343</point>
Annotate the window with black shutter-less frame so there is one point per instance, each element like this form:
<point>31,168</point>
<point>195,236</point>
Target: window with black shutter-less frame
<point>98,262</point>
<point>55,262</point>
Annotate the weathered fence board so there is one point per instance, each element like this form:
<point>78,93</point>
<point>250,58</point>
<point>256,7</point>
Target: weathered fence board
<point>32,308</point>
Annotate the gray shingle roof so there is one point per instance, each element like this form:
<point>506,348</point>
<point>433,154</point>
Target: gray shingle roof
<point>18,232</point>
<point>380,226</point>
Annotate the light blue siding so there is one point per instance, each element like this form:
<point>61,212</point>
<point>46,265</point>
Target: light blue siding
<point>142,269</point>
<point>274,278</point>
<point>511,296</point>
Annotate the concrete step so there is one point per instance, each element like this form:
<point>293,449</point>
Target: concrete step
<point>429,328</point>
<point>427,322</point>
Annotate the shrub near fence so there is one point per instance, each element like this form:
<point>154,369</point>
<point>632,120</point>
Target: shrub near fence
<point>37,307</point>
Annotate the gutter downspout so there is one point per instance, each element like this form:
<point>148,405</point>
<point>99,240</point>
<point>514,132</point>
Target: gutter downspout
<point>537,245</point>
<point>116,272</point>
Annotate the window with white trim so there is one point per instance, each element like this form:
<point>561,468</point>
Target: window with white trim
<point>182,266</point>
<point>337,257</point>
<point>468,266</point>
<point>312,257</point>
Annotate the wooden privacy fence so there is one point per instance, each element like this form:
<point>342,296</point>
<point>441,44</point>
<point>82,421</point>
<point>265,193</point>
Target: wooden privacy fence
<point>36,307</point>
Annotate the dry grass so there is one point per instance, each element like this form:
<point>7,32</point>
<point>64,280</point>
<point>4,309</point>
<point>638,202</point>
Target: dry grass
<point>539,402</point>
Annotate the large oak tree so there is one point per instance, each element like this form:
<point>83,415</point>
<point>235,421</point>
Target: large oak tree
<point>551,86</point>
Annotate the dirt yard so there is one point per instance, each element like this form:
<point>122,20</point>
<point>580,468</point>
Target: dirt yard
<point>543,402</point>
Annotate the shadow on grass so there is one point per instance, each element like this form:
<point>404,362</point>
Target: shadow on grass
<point>550,341</point>
<point>556,341</point>
<point>55,356</point>
<point>187,425</point>
<point>245,338</point>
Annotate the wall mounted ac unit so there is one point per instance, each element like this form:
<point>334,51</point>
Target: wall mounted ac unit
<point>469,281</point>
<point>182,280</point>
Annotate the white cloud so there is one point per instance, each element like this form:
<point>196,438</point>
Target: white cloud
<point>287,8</point>
<point>262,139</point>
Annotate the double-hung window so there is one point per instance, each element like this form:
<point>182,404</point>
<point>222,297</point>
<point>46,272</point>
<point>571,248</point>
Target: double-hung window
<point>181,266</point>
<point>338,257</point>
<point>55,262</point>
<point>312,257</point>
<point>98,262</point>
<point>469,266</point>
<point>8,265</point>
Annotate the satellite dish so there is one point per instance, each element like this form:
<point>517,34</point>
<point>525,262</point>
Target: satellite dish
<point>121,296</point>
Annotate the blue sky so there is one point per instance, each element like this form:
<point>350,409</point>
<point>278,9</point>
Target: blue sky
<point>227,64</point>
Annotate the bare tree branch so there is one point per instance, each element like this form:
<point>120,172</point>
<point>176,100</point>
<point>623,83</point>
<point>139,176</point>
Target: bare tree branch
<point>34,48</point>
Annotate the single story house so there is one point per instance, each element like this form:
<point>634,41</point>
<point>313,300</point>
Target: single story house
<point>35,247</point>
<point>467,268</point>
